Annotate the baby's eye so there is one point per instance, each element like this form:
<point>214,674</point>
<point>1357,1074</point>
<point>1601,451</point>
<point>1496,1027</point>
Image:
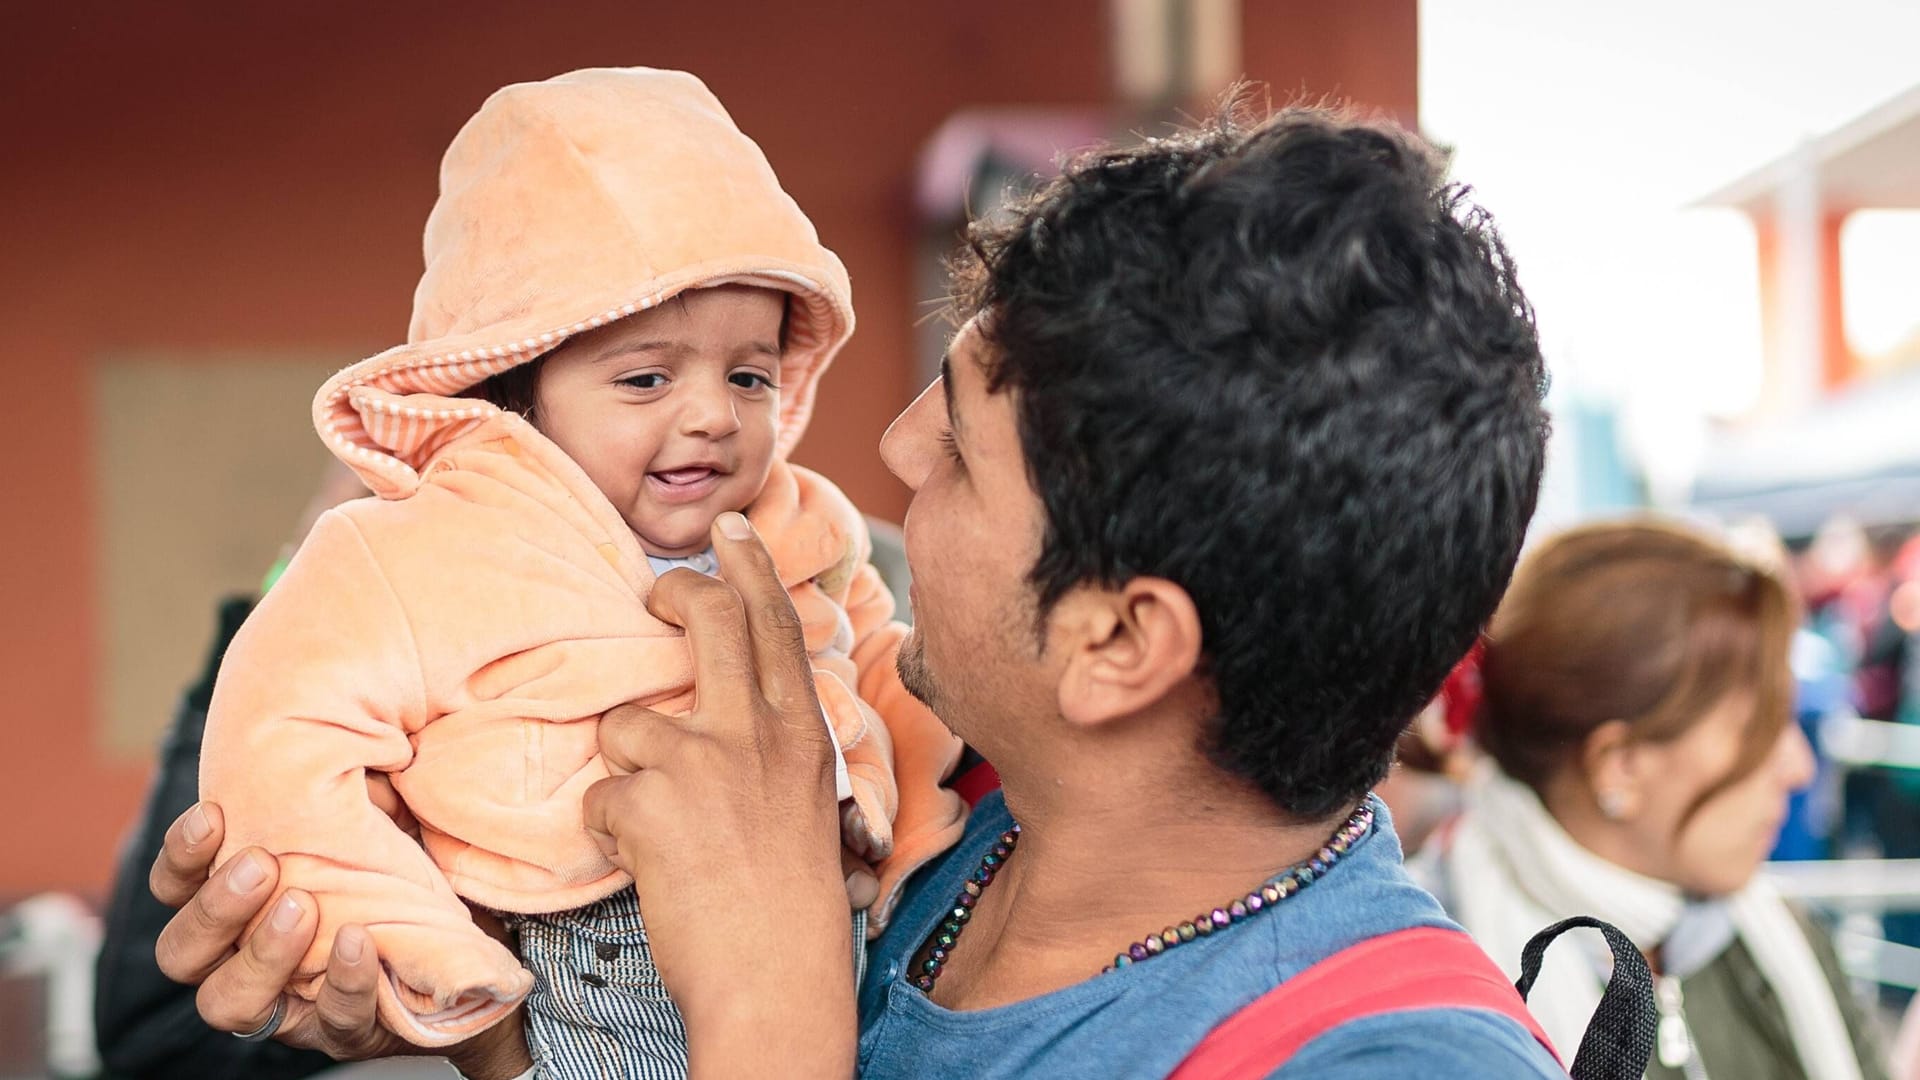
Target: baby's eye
<point>646,380</point>
<point>751,380</point>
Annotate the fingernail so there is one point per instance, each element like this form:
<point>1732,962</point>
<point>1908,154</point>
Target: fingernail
<point>247,874</point>
<point>197,826</point>
<point>733,526</point>
<point>286,914</point>
<point>351,946</point>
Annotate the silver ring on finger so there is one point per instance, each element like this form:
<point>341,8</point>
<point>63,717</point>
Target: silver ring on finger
<point>265,1031</point>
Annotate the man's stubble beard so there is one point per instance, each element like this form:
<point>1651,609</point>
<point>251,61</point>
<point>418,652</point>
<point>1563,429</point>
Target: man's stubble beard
<point>911,665</point>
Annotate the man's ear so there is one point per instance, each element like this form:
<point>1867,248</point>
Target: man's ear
<point>1127,648</point>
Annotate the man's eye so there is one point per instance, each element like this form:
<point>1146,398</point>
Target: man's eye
<point>951,446</point>
<point>651,380</point>
<point>751,380</point>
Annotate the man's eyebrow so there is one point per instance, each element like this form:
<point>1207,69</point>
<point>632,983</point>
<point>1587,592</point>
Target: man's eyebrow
<point>946,382</point>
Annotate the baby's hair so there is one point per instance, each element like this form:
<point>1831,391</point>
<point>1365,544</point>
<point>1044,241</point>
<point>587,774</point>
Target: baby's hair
<point>512,390</point>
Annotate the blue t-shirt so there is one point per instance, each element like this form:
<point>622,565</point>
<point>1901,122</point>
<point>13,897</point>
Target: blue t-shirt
<point>1141,1021</point>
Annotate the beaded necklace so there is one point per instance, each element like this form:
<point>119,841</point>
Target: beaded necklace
<point>1277,888</point>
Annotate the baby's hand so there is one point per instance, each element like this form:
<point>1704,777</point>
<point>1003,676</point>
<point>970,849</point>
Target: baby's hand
<point>863,888</point>
<point>860,836</point>
<point>862,847</point>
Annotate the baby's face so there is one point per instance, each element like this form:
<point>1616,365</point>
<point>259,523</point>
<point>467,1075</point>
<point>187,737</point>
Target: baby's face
<point>672,412</point>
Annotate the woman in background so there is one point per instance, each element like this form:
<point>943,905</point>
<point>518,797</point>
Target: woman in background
<point>1636,721</point>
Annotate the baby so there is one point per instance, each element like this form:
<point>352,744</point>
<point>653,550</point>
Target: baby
<point>618,338</point>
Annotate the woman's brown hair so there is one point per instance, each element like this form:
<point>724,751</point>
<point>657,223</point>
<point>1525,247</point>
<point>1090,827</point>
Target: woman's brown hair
<point>1637,621</point>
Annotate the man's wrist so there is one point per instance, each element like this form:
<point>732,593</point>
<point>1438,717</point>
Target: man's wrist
<point>829,1054</point>
<point>812,1034</point>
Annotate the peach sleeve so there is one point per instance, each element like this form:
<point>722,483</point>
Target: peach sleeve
<point>322,687</point>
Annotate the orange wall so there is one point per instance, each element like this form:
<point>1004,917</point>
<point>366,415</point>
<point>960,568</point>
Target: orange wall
<point>258,174</point>
<point>1838,364</point>
<point>1364,50</point>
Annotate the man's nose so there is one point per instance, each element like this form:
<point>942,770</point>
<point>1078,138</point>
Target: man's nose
<point>912,443</point>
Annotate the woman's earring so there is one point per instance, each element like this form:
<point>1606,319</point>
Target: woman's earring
<point>1613,804</point>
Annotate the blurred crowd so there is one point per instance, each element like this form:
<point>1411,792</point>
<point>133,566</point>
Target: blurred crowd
<point>1858,651</point>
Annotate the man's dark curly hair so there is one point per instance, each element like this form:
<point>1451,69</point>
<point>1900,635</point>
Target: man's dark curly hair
<point>1287,366</point>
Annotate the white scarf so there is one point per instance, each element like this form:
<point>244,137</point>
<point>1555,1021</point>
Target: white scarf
<point>1513,871</point>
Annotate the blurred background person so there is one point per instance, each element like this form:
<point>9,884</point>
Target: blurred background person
<point>145,1026</point>
<point>1434,757</point>
<point>1637,724</point>
<point>1820,694</point>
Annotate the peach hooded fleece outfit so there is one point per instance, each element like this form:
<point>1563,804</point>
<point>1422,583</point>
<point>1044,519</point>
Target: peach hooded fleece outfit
<point>453,641</point>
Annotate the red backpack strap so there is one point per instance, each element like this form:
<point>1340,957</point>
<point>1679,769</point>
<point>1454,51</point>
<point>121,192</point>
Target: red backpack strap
<point>1423,968</point>
<point>973,779</point>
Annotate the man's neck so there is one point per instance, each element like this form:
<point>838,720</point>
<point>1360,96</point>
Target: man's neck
<point>1096,870</point>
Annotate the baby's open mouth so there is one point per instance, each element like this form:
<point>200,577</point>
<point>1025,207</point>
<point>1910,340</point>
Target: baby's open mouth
<point>686,484</point>
<point>684,477</point>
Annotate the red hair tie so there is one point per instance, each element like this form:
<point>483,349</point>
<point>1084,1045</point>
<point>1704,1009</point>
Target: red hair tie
<point>1461,694</point>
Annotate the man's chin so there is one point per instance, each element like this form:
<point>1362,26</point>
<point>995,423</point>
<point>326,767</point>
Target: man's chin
<point>911,665</point>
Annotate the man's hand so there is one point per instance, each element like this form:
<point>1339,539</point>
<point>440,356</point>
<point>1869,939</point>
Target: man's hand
<point>241,982</point>
<point>727,821</point>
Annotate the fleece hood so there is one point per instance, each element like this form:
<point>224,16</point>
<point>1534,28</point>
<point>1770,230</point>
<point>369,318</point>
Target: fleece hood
<point>565,205</point>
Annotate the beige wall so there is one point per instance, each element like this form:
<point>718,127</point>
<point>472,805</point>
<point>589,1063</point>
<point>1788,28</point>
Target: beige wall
<point>201,465</point>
